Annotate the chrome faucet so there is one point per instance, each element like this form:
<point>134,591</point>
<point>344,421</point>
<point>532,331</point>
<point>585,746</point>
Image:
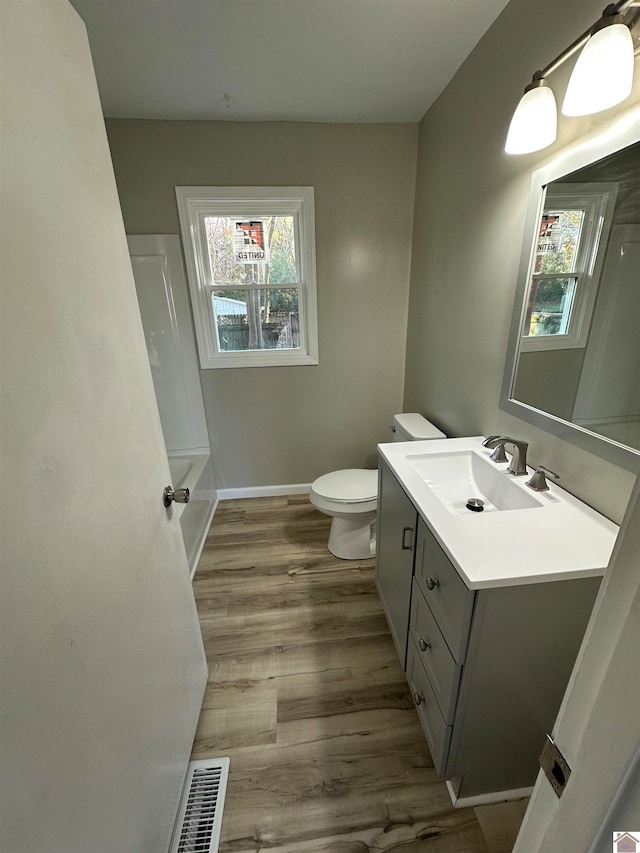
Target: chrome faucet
<point>518,464</point>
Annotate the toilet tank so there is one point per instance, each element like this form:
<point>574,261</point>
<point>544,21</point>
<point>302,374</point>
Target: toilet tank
<point>411,426</point>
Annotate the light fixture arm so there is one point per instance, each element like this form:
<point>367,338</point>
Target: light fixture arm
<point>611,11</point>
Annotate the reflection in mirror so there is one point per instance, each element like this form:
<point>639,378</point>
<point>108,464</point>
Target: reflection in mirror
<point>577,351</point>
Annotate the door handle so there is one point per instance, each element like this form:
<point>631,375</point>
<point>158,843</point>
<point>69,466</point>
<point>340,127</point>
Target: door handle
<point>406,547</point>
<point>180,496</point>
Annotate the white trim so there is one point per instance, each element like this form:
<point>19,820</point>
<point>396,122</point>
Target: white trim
<point>264,491</point>
<point>194,204</point>
<point>486,799</point>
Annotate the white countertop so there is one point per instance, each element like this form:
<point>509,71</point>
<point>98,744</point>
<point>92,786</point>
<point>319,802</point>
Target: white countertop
<point>559,540</point>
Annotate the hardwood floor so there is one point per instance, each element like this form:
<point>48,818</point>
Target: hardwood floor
<point>308,699</point>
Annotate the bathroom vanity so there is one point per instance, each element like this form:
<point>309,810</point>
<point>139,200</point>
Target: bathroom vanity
<point>487,609</point>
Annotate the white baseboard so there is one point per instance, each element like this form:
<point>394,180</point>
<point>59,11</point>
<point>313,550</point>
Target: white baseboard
<point>486,799</point>
<point>264,491</point>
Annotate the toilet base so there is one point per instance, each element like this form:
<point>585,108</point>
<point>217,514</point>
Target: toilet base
<point>353,538</point>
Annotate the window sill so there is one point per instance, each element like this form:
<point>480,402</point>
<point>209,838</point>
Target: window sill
<point>259,359</point>
<point>550,342</point>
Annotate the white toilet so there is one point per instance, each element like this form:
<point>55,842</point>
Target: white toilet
<point>350,496</point>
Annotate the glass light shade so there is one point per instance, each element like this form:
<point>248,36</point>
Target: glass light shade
<point>603,74</point>
<point>534,123</point>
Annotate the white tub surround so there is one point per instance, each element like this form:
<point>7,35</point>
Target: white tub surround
<point>194,472</point>
<point>552,536</point>
<point>166,318</point>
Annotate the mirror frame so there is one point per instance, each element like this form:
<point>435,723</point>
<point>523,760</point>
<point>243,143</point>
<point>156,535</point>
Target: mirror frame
<point>619,134</point>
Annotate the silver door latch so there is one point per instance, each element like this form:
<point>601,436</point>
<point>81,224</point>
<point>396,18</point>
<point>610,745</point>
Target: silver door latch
<point>180,496</point>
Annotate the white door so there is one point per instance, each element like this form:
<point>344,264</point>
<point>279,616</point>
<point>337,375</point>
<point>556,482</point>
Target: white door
<point>598,725</point>
<point>101,657</point>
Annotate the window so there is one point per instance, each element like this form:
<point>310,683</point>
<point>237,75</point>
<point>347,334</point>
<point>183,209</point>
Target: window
<point>574,224</point>
<point>250,255</point>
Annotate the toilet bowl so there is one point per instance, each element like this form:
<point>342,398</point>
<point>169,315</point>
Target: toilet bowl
<point>350,496</point>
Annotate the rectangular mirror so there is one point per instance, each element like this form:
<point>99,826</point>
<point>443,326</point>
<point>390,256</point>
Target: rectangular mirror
<point>573,360</point>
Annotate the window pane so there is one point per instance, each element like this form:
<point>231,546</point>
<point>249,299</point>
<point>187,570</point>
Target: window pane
<point>266,244</point>
<point>257,319</point>
<point>549,307</point>
<point>558,241</point>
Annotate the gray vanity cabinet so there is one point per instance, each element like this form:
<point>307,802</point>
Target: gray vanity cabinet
<point>523,643</point>
<point>395,544</point>
<point>487,668</point>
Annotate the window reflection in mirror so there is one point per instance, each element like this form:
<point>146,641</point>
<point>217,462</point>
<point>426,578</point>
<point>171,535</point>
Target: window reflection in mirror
<point>579,346</point>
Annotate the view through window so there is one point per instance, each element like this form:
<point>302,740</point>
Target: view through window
<point>250,255</point>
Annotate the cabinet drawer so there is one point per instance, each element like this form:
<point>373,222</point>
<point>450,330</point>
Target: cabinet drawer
<point>446,594</point>
<point>442,670</point>
<point>437,733</point>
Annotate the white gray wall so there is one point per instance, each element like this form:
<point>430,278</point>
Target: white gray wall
<point>470,207</point>
<point>291,424</point>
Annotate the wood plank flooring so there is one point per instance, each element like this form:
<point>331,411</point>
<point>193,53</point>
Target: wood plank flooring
<point>308,699</point>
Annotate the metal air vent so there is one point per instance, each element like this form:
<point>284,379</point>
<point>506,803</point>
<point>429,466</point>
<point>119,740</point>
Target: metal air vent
<point>199,819</point>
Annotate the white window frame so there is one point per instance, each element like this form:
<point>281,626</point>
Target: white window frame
<point>197,203</point>
<point>598,201</point>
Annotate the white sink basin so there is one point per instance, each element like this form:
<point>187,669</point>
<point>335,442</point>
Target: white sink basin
<point>459,475</point>
<point>560,538</point>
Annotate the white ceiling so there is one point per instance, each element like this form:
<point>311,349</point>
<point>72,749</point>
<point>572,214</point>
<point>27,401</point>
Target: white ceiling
<point>289,60</point>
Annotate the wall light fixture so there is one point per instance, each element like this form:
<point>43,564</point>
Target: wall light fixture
<point>601,78</point>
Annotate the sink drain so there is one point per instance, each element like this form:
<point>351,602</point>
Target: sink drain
<point>475,504</point>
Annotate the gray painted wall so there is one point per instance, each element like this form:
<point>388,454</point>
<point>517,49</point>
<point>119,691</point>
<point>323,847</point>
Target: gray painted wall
<point>291,424</point>
<point>548,379</point>
<point>469,215</point>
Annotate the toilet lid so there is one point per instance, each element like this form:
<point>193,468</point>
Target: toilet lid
<point>349,486</point>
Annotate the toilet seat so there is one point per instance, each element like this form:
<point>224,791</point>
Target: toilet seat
<point>349,486</point>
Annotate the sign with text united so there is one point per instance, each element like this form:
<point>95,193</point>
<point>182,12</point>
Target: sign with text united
<point>249,244</point>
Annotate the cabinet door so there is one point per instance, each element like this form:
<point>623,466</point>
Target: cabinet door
<point>397,522</point>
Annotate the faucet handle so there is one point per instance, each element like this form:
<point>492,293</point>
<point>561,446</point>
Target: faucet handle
<point>538,481</point>
<point>499,455</point>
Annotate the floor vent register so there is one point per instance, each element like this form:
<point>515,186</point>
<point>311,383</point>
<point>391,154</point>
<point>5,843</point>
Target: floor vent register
<point>199,818</point>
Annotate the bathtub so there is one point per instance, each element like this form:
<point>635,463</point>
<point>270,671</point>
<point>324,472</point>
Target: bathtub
<point>194,472</point>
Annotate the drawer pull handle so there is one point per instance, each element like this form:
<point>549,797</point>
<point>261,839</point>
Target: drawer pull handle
<point>419,699</point>
<point>432,583</point>
<point>424,645</point>
<point>406,547</point>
